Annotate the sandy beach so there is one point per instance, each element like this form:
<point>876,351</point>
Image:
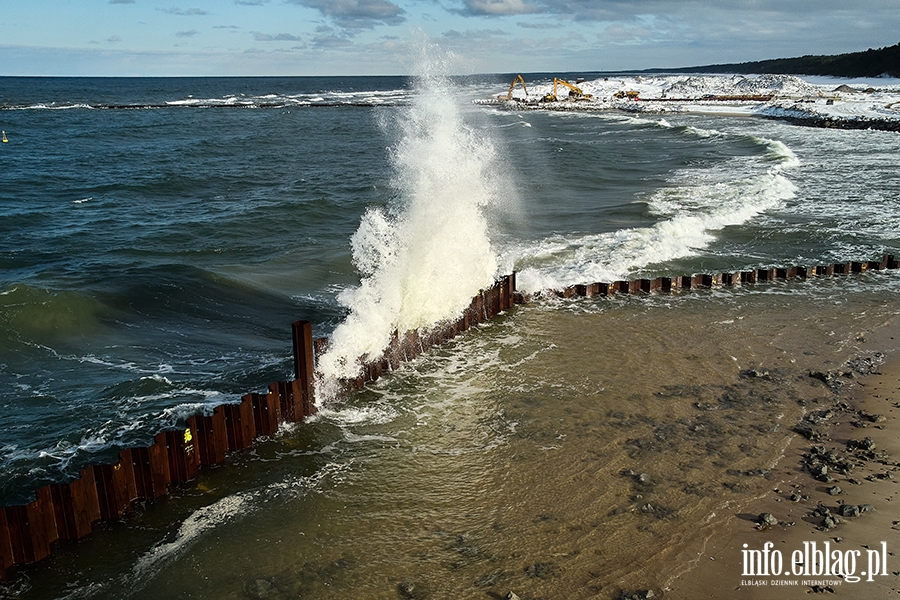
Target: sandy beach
<point>866,409</point>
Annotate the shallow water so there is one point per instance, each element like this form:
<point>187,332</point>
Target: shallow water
<point>567,450</point>
<point>157,271</point>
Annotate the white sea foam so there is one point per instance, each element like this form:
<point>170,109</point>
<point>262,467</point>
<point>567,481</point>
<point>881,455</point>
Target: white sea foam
<point>423,258</point>
<point>698,204</point>
<point>226,510</point>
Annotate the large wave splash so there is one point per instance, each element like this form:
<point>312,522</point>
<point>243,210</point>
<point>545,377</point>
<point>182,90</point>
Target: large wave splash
<point>691,211</point>
<point>425,256</point>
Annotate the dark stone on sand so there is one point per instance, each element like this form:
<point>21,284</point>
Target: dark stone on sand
<point>829,378</point>
<point>755,373</point>
<point>865,365</point>
<point>512,596</point>
<point>407,589</point>
<point>808,430</point>
<point>795,497</point>
<point>542,570</point>
<point>639,595</point>
<point>834,490</point>
<point>767,519</point>
<point>864,444</point>
<point>849,510</point>
<point>866,508</point>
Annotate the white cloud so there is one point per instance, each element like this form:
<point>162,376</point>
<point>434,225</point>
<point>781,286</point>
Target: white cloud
<point>190,12</point>
<point>496,8</point>
<point>278,37</point>
<point>357,14</point>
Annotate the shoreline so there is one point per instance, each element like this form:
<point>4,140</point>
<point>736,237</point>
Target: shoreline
<point>860,441</point>
<point>774,113</point>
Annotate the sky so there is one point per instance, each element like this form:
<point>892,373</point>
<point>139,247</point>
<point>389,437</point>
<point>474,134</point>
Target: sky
<point>381,37</point>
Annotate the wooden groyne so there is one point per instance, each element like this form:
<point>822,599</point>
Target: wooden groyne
<point>67,512</point>
<point>686,282</point>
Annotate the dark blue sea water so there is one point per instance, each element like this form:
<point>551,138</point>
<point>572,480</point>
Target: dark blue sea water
<point>158,237</point>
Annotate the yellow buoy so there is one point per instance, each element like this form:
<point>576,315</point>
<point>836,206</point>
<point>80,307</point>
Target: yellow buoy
<point>4,137</point>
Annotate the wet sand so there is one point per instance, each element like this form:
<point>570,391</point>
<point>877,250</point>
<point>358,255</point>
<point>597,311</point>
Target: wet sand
<point>868,407</point>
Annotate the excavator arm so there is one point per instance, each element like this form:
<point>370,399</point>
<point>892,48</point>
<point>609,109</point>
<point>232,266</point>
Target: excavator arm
<point>512,86</point>
<point>575,93</point>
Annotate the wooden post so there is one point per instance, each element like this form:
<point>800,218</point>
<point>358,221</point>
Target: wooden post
<point>304,365</point>
<point>478,307</point>
<point>7,559</point>
<point>239,425</point>
<point>701,280</point>
<point>77,506</point>
<point>151,469</point>
<point>266,413</point>
<point>212,438</point>
<point>496,302</point>
<point>182,453</point>
<point>508,289</point>
<point>116,486</point>
<point>32,528</point>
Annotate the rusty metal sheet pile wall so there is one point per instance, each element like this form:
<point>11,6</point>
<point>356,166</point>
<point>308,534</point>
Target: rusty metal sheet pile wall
<point>700,280</point>
<point>67,511</point>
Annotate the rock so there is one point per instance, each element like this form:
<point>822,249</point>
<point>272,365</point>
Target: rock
<point>755,373</point>
<point>829,522</point>
<point>407,589</point>
<point>866,508</point>
<point>830,378</point>
<point>643,479</point>
<point>849,510</point>
<point>864,444</point>
<point>795,497</point>
<point>542,570</point>
<point>512,596</point>
<point>767,519</point>
<point>834,490</point>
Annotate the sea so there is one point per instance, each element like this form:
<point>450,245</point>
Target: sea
<point>158,236</point>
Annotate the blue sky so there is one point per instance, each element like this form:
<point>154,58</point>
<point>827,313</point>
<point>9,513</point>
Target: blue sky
<point>377,37</point>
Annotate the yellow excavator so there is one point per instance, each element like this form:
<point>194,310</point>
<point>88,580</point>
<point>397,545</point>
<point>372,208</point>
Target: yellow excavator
<point>509,95</point>
<point>575,93</point>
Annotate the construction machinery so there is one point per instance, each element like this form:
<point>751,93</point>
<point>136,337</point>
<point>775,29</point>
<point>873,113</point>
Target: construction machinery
<point>575,93</point>
<point>630,94</point>
<point>509,93</point>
